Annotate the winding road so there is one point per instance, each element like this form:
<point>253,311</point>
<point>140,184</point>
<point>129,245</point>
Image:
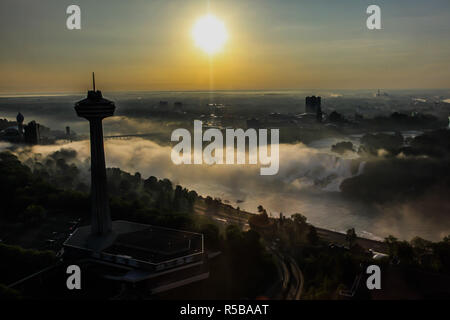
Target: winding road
<point>291,280</point>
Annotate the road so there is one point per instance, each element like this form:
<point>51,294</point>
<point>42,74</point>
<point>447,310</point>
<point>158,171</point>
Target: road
<point>297,280</point>
<point>290,283</point>
<point>340,238</point>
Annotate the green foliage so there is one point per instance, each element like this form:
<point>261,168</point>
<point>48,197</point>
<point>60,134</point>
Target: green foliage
<point>326,270</point>
<point>233,235</point>
<point>261,219</point>
<point>434,144</point>
<point>422,166</point>
<point>54,185</point>
<point>372,143</point>
<point>421,253</point>
<point>30,196</point>
<point>313,237</point>
<point>211,235</point>
<point>398,179</point>
<point>33,214</point>
<point>299,219</point>
<point>440,260</point>
<point>252,267</point>
<point>18,262</point>
<point>342,147</point>
<point>401,250</point>
<point>15,179</point>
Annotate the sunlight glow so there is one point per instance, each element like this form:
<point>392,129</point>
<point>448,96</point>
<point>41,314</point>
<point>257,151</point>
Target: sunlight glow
<point>209,34</point>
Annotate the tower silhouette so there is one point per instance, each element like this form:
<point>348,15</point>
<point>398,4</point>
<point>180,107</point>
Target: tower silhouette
<point>95,108</point>
<point>20,119</point>
<point>158,257</point>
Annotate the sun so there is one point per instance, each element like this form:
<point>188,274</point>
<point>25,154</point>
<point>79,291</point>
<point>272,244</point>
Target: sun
<point>209,34</point>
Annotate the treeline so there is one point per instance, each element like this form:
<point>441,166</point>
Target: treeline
<point>29,193</point>
<point>420,253</point>
<point>329,268</point>
<point>150,201</point>
<point>286,231</point>
<point>402,172</point>
<point>402,121</point>
<point>18,262</point>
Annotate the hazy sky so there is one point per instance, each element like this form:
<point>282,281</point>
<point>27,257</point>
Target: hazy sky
<point>273,44</point>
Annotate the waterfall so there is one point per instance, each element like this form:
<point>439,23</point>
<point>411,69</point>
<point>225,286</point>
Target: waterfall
<point>333,170</point>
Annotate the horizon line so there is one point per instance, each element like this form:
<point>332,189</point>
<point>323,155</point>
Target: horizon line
<point>68,93</point>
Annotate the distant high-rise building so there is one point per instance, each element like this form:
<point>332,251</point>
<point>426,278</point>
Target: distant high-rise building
<point>20,119</point>
<point>29,133</point>
<point>381,94</point>
<point>32,133</point>
<point>313,105</point>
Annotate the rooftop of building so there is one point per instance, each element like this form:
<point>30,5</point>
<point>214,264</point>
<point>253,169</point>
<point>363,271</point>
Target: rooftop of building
<point>140,242</point>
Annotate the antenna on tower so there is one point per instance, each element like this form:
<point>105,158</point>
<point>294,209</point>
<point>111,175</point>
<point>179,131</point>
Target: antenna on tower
<point>93,80</point>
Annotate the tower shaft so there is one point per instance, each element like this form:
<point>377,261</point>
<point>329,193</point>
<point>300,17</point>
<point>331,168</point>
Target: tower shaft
<point>101,217</point>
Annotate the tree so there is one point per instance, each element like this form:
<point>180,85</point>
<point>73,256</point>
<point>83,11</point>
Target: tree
<point>351,237</point>
<point>299,219</point>
<point>336,117</point>
<point>312,236</point>
<point>391,242</point>
<point>233,234</point>
<point>150,183</point>
<point>342,147</point>
<point>211,233</point>
<point>421,246</point>
<point>446,239</point>
<point>405,252</point>
<point>34,214</point>
<point>263,213</point>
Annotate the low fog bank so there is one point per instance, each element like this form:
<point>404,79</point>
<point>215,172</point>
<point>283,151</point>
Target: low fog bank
<point>308,182</point>
<point>57,111</point>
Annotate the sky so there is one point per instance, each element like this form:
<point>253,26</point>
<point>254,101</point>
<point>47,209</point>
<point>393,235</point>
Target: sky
<point>145,45</point>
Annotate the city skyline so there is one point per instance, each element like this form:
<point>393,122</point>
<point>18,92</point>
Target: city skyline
<point>147,46</point>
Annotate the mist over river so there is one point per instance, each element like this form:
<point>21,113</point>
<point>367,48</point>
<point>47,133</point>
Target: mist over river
<point>308,183</point>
